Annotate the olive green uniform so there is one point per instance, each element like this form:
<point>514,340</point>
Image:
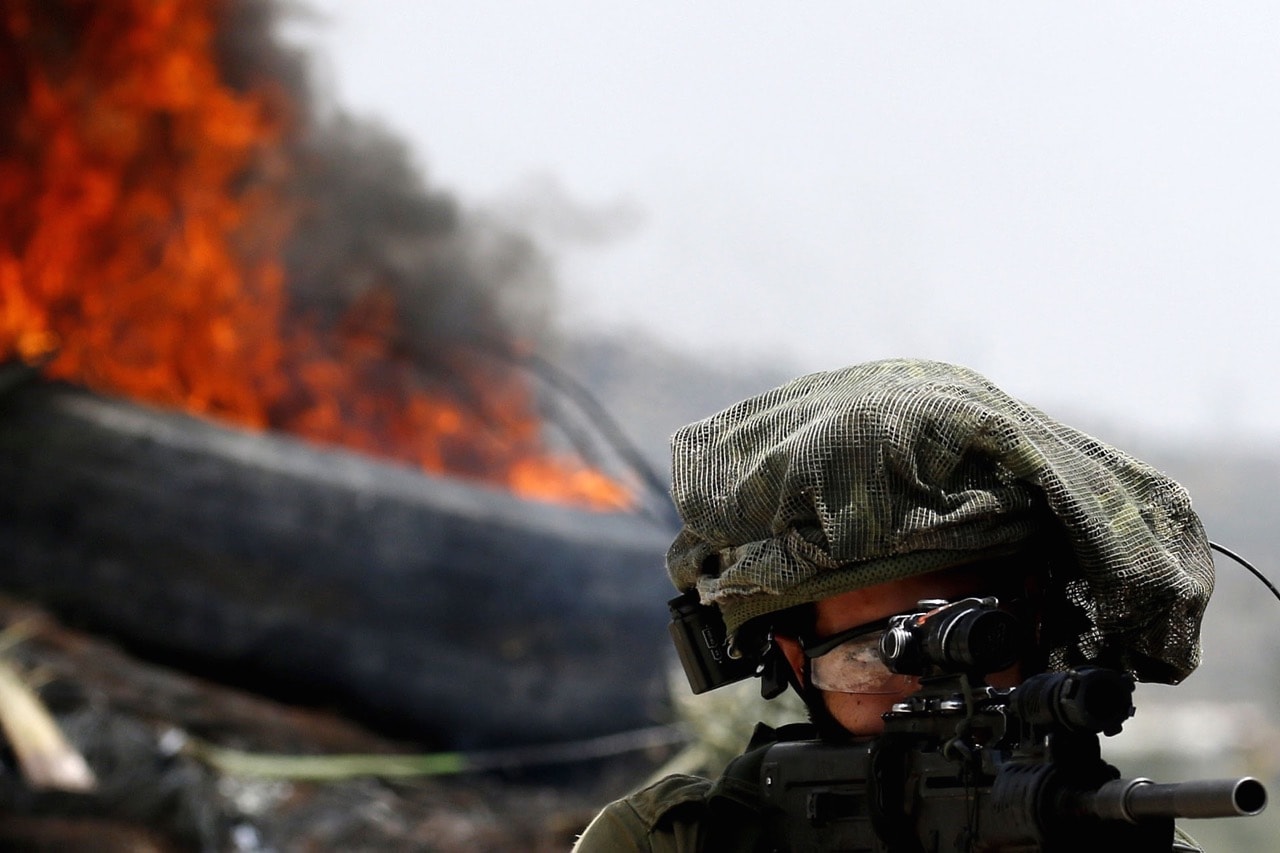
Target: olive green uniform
<point>665,817</point>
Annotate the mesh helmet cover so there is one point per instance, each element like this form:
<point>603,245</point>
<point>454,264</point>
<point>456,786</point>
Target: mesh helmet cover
<point>848,478</point>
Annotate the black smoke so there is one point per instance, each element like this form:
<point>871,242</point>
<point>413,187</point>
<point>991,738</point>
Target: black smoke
<point>367,223</point>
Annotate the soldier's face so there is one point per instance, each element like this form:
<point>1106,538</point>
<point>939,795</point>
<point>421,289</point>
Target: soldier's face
<point>861,713</point>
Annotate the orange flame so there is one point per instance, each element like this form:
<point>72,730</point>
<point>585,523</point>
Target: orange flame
<point>141,232</point>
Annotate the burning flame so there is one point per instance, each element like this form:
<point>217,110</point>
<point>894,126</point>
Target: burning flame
<point>141,237</point>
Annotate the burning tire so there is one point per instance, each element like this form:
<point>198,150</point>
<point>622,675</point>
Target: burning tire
<point>452,612</point>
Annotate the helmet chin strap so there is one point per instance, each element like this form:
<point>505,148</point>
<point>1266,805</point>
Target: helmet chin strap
<point>775,672</point>
<point>776,675</point>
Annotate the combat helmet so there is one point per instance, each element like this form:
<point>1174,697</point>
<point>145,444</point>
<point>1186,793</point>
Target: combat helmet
<point>842,479</point>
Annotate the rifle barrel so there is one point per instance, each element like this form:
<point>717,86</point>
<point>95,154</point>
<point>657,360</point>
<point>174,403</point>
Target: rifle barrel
<point>1140,799</point>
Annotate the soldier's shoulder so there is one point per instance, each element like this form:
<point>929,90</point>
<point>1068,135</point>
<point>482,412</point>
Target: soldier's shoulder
<point>663,817</point>
<point>668,797</point>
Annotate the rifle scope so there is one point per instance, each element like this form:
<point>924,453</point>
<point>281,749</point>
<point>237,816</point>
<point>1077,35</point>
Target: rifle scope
<point>971,635</point>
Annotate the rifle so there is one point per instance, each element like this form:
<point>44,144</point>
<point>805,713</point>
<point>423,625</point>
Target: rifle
<point>963,766</point>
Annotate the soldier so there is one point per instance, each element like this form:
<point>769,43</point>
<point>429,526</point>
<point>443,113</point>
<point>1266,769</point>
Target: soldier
<point>816,510</point>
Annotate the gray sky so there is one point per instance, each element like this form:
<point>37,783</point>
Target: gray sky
<point>1079,200</point>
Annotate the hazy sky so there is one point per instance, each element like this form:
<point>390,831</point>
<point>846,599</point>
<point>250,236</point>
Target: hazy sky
<point>1079,200</point>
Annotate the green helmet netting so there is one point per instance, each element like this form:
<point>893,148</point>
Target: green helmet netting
<point>843,479</point>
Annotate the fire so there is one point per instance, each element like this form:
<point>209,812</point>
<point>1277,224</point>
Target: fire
<point>143,220</point>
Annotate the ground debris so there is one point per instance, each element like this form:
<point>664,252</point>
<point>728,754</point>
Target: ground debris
<point>130,719</point>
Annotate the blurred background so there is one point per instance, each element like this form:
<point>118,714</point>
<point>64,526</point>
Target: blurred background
<point>512,248</point>
<point>1076,201</point>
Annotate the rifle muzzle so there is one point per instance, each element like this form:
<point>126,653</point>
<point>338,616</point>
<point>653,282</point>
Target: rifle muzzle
<point>1135,800</point>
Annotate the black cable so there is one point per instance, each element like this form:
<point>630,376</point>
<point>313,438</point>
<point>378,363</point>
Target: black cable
<point>607,428</point>
<point>610,429</point>
<point>1242,561</point>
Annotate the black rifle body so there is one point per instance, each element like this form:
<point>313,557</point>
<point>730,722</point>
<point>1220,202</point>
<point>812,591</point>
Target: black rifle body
<point>967,768</point>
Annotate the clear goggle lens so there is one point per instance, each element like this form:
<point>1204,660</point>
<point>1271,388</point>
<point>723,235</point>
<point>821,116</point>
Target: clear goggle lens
<point>855,666</point>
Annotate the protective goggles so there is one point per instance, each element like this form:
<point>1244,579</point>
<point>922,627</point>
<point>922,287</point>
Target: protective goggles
<point>850,662</point>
